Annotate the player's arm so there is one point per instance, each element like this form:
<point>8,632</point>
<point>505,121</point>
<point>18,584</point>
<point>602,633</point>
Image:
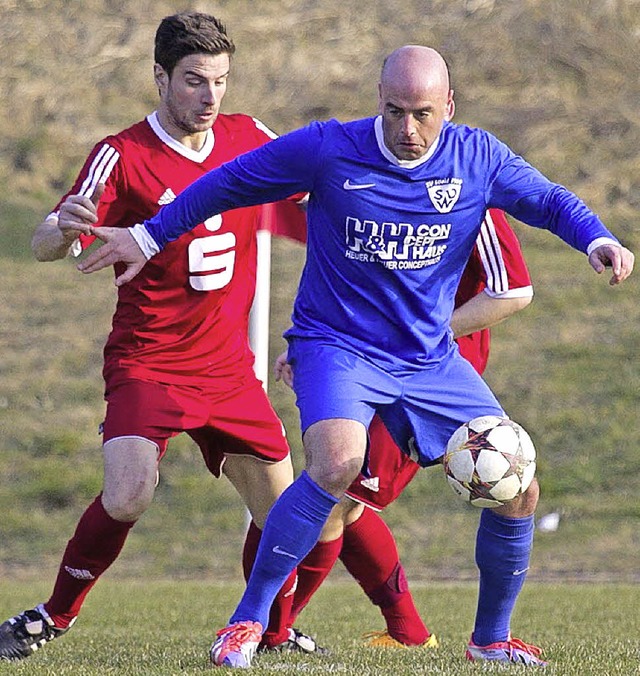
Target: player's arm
<point>526,194</point>
<point>484,311</point>
<point>270,173</point>
<point>49,242</point>
<point>54,238</point>
<point>496,282</point>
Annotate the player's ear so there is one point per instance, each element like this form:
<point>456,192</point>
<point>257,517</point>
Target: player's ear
<point>160,77</point>
<point>451,107</point>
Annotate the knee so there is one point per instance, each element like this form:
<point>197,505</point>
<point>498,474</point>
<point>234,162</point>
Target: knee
<point>522,506</point>
<point>127,503</point>
<point>337,477</point>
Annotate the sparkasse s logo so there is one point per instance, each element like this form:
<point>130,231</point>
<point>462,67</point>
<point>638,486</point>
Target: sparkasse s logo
<point>444,193</point>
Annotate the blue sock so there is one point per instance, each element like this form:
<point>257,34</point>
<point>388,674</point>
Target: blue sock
<point>290,531</point>
<point>503,546</point>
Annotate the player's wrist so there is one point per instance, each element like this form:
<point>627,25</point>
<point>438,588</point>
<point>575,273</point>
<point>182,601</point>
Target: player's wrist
<point>601,241</point>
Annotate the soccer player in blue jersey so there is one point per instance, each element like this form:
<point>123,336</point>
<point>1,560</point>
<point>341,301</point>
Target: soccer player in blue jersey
<point>396,202</point>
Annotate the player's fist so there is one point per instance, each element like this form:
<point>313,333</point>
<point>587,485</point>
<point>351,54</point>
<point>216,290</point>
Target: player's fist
<point>619,258</point>
<point>78,212</point>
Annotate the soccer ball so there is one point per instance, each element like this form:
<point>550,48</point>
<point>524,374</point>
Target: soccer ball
<point>490,461</point>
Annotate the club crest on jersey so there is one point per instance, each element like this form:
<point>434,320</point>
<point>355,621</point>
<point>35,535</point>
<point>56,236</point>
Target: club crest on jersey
<point>444,193</point>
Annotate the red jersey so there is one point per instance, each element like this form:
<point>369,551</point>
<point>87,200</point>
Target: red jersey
<point>497,267</point>
<point>184,317</point>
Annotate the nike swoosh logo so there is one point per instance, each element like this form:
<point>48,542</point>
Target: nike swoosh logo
<point>278,550</point>
<point>520,572</point>
<point>347,185</point>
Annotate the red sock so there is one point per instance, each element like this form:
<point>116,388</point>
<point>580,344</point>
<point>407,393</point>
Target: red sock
<point>370,554</point>
<point>93,548</point>
<point>278,630</point>
<point>312,571</point>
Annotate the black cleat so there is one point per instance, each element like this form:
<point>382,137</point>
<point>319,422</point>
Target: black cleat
<point>297,642</point>
<point>23,634</point>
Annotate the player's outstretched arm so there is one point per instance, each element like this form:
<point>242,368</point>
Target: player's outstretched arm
<point>619,258</point>
<point>119,247</point>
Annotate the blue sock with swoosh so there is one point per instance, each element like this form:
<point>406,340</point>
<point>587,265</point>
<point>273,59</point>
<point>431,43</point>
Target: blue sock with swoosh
<point>290,531</point>
<point>503,546</point>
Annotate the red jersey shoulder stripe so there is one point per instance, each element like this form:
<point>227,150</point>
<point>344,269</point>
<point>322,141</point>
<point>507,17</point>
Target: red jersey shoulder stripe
<point>100,169</point>
<point>490,252</point>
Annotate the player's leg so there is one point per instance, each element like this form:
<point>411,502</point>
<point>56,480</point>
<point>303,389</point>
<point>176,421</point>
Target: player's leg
<point>132,446</point>
<point>314,568</point>
<point>503,547</point>
<point>369,550</point>
<point>138,422</point>
<point>370,554</point>
<point>130,466</point>
<point>437,401</point>
<point>334,449</point>
<point>334,422</point>
<point>259,484</point>
<point>96,543</point>
<point>244,439</point>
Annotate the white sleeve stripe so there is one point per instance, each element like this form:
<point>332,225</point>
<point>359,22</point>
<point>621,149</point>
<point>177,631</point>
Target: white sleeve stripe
<point>491,255</point>
<point>519,292</point>
<point>263,127</point>
<point>100,169</point>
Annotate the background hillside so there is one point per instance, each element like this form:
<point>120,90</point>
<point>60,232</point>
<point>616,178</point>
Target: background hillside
<point>558,80</point>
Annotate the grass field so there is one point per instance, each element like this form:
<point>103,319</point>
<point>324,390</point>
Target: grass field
<point>166,628</point>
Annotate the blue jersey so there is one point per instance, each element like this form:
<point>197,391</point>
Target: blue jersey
<point>387,239</point>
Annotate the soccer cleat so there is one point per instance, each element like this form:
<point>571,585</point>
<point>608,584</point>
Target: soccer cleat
<point>297,642</point>
<point>512,650</point>
<point>236,645</point>
<point>23,634</point>
<point>383,639</point>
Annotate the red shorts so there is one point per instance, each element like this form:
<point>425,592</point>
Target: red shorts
<point>240,421</point>
<point>389,468</point>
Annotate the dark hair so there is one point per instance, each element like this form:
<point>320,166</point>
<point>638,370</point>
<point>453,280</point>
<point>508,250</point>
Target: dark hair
<point>188,33</point>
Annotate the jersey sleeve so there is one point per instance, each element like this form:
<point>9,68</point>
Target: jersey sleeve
<point>496,267</point>
<point>286,218</point>
<point>102,166</point>
<point>503,267</point>
<point>273,172</point>
<point>524,192</point>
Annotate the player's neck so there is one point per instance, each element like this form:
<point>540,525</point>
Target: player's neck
<point>194,141</point>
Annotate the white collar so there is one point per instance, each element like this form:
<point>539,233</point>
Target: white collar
<point>407,164</point>
<point>198,156</point>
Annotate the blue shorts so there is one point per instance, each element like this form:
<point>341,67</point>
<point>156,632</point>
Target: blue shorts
<point>421,410</point>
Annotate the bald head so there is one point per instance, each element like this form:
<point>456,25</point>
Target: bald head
<point>414,67</point>
<point>415,99</point>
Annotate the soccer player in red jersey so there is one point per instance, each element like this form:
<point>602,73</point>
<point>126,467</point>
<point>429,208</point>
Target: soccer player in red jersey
<point>178,358</point>
<point>495,284</point>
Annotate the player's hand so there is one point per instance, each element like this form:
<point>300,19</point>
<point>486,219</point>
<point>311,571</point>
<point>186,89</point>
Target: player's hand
<point>79,213</point>
<point>119,247</point>
<point>283,370</point>
<point>615,256</point>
